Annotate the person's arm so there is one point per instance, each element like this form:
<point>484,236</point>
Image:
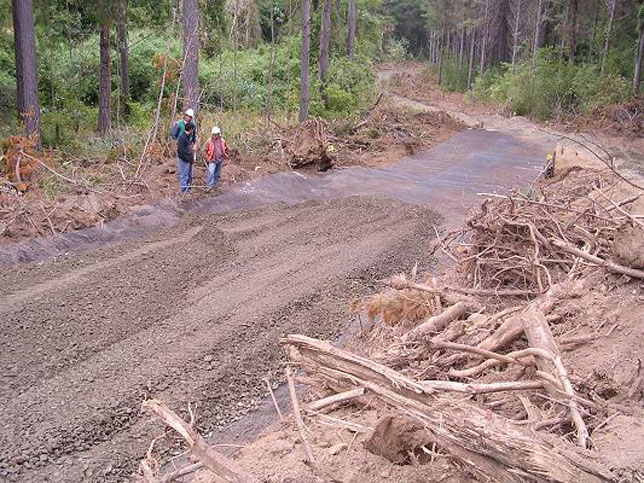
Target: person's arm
<point>174,132</point>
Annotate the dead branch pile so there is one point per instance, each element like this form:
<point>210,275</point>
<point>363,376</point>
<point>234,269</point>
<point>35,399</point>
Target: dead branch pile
<point>530,241</point>
<point>483,373</point>
<point>18,165</point>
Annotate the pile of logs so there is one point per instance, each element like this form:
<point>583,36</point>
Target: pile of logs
<point>465,370</point>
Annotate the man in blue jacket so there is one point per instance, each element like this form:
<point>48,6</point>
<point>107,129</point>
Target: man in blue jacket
<point>186,157</point>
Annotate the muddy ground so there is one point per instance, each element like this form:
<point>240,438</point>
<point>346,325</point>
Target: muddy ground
<point>87,338</point>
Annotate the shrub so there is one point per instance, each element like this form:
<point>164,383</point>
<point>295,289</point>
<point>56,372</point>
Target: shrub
<point>551,88</point>
<point>397,50</point>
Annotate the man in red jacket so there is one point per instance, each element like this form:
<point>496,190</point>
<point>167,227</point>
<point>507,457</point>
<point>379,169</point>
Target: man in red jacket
<point>216,150</point>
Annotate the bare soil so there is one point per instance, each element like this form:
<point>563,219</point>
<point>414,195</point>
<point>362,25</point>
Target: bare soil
<point>191,314</point>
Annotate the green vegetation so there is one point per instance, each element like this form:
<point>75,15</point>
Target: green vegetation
<point>544,59</point>
<point>235,67</point>
<point>552,88</point>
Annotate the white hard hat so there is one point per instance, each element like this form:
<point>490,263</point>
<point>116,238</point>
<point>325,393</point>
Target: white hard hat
<point>216,130</point>
<point>190,112</point>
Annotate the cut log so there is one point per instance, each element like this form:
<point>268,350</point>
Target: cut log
<point>222,466</point>
<point>437,323</point>
<point>488,444</point>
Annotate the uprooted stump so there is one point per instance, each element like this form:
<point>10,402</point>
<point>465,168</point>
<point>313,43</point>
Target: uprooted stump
<point>309,147</point>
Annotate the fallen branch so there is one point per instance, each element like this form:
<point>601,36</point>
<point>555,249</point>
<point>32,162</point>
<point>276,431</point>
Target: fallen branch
<point>367,114</point>
<point>478,351</point>
<point>298,417</point>
<point>220,465</point>
<point>400,283</point>
<point>607,264</point>
<point>539,336</point>
<point>270,391</point>
<point>186,470</point>
<point>335,399</point>
<point>621,210</point>
<point>450,386</point>
<point>436,323</point>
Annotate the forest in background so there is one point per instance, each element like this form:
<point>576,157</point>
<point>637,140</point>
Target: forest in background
<point>101,66</point>
<point>541,58</point>
<point>108,67</point>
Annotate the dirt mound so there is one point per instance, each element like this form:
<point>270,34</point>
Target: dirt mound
<point>628,247</point>
<point>398,440</point>
<point>626,118</point>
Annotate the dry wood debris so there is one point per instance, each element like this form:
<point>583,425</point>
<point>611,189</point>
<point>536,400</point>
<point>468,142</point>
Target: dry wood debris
<point>484,352</point>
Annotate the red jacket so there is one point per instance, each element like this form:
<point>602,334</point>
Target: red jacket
<point>216,150</point>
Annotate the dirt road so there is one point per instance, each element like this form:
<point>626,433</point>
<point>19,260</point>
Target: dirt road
<point>187,303</point>
<point>190,314</point>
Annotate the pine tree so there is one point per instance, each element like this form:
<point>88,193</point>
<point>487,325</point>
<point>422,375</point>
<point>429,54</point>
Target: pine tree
<point>305,81</point>
<point>26,72</point>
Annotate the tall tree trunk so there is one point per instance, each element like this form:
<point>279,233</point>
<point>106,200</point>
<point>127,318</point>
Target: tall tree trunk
<point>305,81</point>
<point>638,65</point>
<point>501,33</point>
<point>26,72</point>
<point>592,36</point>
<point>19,48</point>
<point>485,36</point>
<point>124,49</point>
<point>269,91</point>
<point>351,19</point>
<point>515,39</point>
<point>338,10</point>
<point>536,44</point>
<point>573,7</point>
<point>104,79</point>
<point>431,46</point>
<point>609,29</point>
<point>440,58</point>
<point>324,49</point>
<point>191,54</point>
<point>471,62</point>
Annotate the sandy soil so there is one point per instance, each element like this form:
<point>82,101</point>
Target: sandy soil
<point>192,314</point>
